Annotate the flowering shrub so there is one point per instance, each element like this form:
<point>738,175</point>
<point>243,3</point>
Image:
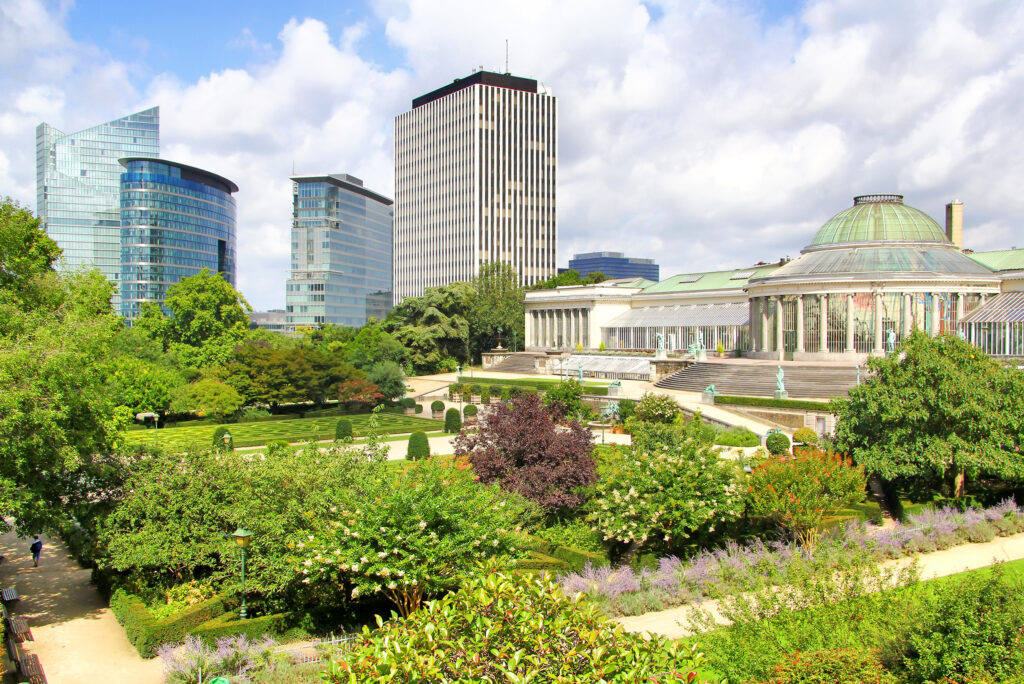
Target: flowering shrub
<point>798,492</point>
<point>656,408</point>
<point>502,628</point>
<point>672,489</point>
<point>735,568</point>
<point>409,535</point>
<point>234,656</point>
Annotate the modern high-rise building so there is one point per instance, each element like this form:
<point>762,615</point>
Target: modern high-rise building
<point>615,265</point>
<point>475,182</point>
<point>175,221</point>
<point>341,252</point>
<point>78,185</point>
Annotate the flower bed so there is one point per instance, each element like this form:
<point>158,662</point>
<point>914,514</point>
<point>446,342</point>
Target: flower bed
<point>736,568</point>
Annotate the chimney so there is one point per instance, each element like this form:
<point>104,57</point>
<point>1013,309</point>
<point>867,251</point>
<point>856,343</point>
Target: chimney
<point>955,223</point>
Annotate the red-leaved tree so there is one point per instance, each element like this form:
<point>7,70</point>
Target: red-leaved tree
<point>521,447</point>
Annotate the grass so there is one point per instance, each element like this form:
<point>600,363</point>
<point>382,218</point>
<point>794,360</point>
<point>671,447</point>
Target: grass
<point>294,430</point>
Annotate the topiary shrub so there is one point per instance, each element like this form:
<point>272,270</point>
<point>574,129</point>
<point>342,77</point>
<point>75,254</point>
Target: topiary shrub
<point>805,435</point>
<point>777,444</point>
<point>219,443</point>
<point>407,403</point>
<point>502,627</point>
<point>485,394</point>
<point>455,389</point>
<point>418,408</point>
<point>840,666</point>
<point>627,407</point>
<point>469,411</point>
<point>475,390</point>
<point>737,437</point>
<point>506,393</point>
<point>452,421</point>
<point>343,430</point>
<point>419,447</point>
<point>436,406</point>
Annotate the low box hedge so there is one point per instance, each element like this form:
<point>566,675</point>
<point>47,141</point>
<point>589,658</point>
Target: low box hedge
<point>147,634</point>
<point>594,389</point>
<point>804,404</point>
<point>229,624</point>
<point>576,559</point>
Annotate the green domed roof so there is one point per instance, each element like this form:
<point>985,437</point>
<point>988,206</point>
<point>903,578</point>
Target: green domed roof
<point>874,218</point>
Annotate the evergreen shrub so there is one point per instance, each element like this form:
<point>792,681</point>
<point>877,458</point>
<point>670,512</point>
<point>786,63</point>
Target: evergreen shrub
<point>469,411</point>
<point>419,447</point>
<point>452,421</point>
<point>777,443</point>
<point>437,406</point>
<point>343,430</point>
<point>805,435</point>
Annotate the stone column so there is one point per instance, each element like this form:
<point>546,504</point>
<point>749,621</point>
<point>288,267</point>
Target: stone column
<point>799,323</point>
<point>780,328</point>
<point>823,323</point>
<point>908,314</point>
<point>764,325</point>
<point>754,312</point>
<point>879,349</point>
<point>528,329</point>
<point>935,315</point>
<point>849,324</point>
<point>960,306</point>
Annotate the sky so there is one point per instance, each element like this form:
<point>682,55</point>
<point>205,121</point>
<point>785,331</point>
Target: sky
<point>702,133</point>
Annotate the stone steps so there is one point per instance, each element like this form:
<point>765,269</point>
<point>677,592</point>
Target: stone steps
<point>820,382</point>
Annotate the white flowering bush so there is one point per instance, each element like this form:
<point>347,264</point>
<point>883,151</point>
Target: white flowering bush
<point>665,490</point>
<point>411,534</point>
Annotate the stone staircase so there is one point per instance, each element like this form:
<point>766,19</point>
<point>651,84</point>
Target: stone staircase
<point>520,362</point>
<point>758,380</point>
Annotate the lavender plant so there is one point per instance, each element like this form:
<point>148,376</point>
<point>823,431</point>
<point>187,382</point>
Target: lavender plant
<point>195,661</point>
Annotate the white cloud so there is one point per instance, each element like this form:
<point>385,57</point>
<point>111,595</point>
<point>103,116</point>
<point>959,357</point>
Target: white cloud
<point>704,138</point>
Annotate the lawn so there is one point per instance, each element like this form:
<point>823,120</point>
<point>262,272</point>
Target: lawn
<point>295,430</point>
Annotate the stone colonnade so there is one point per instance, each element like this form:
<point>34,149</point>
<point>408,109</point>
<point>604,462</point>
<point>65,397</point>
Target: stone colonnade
<point>561,328</point>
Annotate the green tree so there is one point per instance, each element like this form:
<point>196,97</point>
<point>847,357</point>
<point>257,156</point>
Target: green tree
<point>411,534</point>
<point>389,379</point>
<point>568,397</point>
<point>372,345</point>
<point>569,277</point>
<point>263,374</point>
<point>668,489</point>
<point>937,412</point>
<point>26,254</point>
<point>433,327</point>
<point>142,385</point>
<point>207,397</point>
<point>497,304</point>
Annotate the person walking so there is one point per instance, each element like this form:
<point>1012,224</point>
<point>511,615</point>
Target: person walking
<point>36,548</point>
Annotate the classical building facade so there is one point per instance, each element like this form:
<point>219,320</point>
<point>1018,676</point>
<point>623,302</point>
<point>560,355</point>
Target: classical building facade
<point>341,252</point>
<point>175,221</point>
<point>78,185</point>
<point>475,181</point>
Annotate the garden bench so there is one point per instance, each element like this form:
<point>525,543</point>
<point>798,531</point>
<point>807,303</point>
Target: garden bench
<point>27,663</point>
<point>18,627</point>
<point>9,595</point>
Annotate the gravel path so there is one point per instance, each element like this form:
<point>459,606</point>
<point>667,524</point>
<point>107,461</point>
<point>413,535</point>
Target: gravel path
<point>77,638</point>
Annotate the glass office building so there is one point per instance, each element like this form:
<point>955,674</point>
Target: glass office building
<point>175,220</point>
<point>615,265</point>
<point>341,252</point>
<point>78,183</point>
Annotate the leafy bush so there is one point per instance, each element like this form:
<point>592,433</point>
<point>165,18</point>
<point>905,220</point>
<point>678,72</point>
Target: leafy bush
<point>567,397</point>
<point>506,393</point>
<point>805,435</point>
<point>250,414</point>
<point>407,402</point>
<point>452,421</point>
<point>798,492</point>
<point>437,406</point>
<point>418,408</point>
<point>499,627</point>
<point>656,408</point>
<point>627,407</point>
<point>233,656</point>
<point>970,630</point>
<point>804,404</point>
<point>522,448</point>
<point>419,447</point>
<point>575,533</point>
<point>837,666</point>
<point>455,389</point>
<point>218,441</point>
<point>777,443</point>
<point>343,429</point>
<point>469,410</point>
<point>475,390</point>
<point>737,437</point>
<point>147,633</point>
<point>485,395</point>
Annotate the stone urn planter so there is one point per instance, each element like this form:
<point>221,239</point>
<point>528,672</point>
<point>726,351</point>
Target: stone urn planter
<point>474,399</point>
<point>437,415</point>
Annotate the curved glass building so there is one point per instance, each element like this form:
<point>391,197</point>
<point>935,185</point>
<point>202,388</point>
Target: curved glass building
<point>175,221</point>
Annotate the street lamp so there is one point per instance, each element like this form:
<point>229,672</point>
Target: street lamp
<point>227,445</point>
<point>156,424</point>
<point>242,537</point>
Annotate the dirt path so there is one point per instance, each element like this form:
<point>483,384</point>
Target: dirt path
<point>77,638</point>
<point>674,622</point>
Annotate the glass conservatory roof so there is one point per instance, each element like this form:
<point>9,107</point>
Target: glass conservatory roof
<point>875,218</point>
<point>883,258</point>
<point>1005,308</point>
<point>683,315</point>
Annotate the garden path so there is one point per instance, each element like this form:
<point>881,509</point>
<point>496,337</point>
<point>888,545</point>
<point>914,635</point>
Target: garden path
<point>670,623</point>
<point>77,638</point>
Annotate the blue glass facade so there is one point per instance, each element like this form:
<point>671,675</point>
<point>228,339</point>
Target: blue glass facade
<point>615,265</point>
<point>175,221</point>
<point>78,181</point>
<point>342,238</point>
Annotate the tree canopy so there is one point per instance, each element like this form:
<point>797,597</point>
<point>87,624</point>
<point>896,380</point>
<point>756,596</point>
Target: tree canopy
<point>569,277</point>
<point>497,304</point>
<point>434,327</point>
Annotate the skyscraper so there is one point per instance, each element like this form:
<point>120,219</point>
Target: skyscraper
<point>175,221</point>
<point>341,252</point>
<point>78,184</point>
<point>475,181</point>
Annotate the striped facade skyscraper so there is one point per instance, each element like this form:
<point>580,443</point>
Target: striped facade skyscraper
<point>476,166</point>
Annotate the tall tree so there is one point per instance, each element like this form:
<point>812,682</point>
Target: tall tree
<point>939,411</point>
<point>434,327</point>
<point>497,305</point>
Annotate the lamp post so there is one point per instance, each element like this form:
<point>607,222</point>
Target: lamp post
<point>156,424</point>
<point>242,537</point>
<point>227,444</point>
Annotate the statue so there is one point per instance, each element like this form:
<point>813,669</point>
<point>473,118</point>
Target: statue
<point>579,368</point>
<point>610,413</point>
<point>691,349</point>
<point>961,334</point>
<point>858,375</point>
<point>891,340</point>
<point>700,340</point>
<point>661,341</point>
<point>710,389</point>
<point>780,387</point>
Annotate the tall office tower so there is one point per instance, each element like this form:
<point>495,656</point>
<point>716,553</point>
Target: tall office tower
<point>341,252</point>
<point>78,183</point>
<point>475,180</point>
<point>615,265</point>
<point>175,221</point>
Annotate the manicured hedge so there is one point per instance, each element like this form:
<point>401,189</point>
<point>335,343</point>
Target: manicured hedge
<point>147,634</point>
<point>597,390</point>
<point>576,559</point>
<point>228,624</point>
<point>772,403</point>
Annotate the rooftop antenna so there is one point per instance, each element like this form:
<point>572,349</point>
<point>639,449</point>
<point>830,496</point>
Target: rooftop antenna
<point>506,56</point>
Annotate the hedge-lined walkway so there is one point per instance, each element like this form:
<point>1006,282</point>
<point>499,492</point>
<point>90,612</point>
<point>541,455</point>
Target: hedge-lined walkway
<point>77,638</point>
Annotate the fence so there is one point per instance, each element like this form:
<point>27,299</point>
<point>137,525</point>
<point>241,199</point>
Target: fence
<point>319,649</point>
